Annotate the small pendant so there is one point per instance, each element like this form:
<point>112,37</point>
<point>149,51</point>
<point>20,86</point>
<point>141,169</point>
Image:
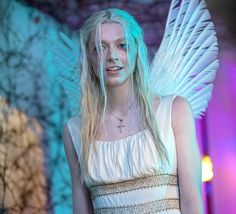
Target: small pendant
<point>120,126</point>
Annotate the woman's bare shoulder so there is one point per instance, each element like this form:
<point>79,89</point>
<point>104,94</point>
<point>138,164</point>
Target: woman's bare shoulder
<point>181,107</point>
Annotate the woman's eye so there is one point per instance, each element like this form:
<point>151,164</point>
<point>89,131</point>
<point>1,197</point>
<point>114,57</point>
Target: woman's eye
<point>95,49</point>
<point>122,45</point>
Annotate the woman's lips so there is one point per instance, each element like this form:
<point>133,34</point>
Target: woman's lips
<point>114,69</point>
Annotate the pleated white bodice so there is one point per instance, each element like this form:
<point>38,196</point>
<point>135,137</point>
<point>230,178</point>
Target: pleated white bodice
<point>126,176</point>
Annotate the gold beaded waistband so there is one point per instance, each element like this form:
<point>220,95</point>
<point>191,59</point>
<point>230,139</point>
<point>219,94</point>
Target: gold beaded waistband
<point>153,180</point>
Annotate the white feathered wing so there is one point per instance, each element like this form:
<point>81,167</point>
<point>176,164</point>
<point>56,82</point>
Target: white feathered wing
<point>66,58</point>
<point>186,61</point>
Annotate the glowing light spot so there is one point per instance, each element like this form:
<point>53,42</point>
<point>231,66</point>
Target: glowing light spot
<point>207,169</point>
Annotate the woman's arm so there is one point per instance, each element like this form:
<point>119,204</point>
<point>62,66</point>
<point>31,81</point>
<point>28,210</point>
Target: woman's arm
<point>188,158</point>
<point>82,203</point>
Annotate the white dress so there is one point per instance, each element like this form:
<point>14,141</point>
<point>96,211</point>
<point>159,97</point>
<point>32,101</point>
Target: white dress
<point>126,175</point>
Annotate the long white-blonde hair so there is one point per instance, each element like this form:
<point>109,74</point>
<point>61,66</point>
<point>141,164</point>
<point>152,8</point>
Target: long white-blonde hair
<point>94,93</point>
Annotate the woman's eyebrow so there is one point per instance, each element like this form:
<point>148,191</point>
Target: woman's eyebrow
<point>120,40</point>
<point>117,40</point>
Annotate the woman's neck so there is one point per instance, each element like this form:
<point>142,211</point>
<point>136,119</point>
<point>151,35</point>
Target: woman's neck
<point>120,97</point>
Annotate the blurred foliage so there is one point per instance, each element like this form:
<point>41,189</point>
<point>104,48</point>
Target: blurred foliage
<point>34,173</point>
<point>22,183</point>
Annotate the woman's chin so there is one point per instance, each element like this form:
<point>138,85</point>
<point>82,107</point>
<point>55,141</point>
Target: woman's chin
<point>116,82</point>
<point>113,83</point>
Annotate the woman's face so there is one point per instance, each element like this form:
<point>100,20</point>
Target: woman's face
<point>117,70</point>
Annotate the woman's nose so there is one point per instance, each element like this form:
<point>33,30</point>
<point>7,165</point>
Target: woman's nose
<point>111,54</point>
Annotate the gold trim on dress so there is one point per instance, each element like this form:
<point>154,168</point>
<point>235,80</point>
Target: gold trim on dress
<point>153,180</point>
<point>149,207</point>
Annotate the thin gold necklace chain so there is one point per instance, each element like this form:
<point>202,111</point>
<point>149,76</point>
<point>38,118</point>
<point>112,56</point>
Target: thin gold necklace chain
<point>125,112</point>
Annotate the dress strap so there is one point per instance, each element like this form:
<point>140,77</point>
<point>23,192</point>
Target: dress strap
<point>164,109</point>
<point>166,132</point>
<point>73,127</point>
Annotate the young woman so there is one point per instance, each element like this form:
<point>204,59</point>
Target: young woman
<point>129,150</point>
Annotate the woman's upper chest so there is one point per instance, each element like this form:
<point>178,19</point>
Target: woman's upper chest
<point>117,126</point>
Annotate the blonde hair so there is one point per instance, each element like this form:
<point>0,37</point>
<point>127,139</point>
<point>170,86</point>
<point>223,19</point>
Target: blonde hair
<point>94,94</point>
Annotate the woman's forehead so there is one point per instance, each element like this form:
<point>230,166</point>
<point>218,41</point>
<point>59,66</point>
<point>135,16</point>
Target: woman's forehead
<point>111,32</point>
<point>109,29</point>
